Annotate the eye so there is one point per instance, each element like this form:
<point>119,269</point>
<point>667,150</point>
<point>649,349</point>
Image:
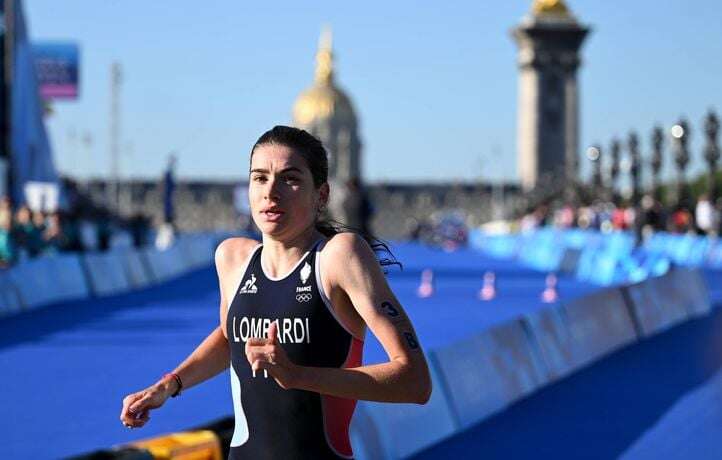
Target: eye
<point>259,179</point>
<point>293,179</point>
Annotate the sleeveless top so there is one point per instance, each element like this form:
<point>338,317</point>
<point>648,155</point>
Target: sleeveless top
<point>270,422</point>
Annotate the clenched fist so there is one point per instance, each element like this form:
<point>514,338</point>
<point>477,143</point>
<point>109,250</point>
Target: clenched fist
<point>268,355</point>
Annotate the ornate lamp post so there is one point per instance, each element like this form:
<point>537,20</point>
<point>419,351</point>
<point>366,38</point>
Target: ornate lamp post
<point>711,153</point>
<point>616,149</point>
<point>635,163</point>
<point>594,153</point>
<point>635,166</point>
<point>680,138</point>
<point>656,163</point>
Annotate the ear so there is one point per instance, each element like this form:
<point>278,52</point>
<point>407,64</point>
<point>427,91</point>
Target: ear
<point>323,193</point>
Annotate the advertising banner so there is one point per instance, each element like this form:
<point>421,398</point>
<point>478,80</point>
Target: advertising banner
<point>57,65</point>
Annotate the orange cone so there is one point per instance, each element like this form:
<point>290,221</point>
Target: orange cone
<point>488,291</point>
<point>550,294</point>
<point>426,288</point>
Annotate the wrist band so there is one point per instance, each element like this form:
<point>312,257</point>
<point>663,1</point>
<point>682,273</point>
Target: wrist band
<point>177,380</point>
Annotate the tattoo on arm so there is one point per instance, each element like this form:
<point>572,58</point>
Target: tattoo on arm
<point>411,340</point>
<point>395,314</point>
<point>401,321</point>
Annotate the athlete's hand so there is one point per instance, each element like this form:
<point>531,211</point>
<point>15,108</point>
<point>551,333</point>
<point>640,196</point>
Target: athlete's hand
<point>268,355</point>
<point>137,406</point>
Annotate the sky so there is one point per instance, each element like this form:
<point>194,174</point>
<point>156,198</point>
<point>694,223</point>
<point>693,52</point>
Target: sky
<point>434,83</point>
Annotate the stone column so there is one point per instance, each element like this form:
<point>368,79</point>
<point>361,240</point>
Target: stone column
<point>548,112</point>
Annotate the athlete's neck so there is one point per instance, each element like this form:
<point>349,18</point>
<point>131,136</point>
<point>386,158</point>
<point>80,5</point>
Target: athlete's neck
<point>280,256</point>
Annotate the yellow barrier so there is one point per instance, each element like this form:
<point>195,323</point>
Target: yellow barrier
<point>190,445</point>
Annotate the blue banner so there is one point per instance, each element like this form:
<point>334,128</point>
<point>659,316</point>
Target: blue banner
<point>56,64</point>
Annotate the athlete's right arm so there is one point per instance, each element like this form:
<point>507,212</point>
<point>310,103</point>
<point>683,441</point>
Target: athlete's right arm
<point>211,357</point>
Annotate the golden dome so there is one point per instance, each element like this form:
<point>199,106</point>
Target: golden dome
<point>322,100</point>
<point>550,7</point>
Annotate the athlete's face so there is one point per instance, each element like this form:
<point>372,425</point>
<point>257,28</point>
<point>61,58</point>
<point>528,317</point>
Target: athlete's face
<point>284,201</point>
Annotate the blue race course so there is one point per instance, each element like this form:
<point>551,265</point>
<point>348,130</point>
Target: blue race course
<point>68,366</point>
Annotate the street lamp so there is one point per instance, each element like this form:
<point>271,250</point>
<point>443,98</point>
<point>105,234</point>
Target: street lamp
<point>656,163</point>
<point>594,154</point>
<point>711,153</point>
<point>616,149</point>
<point>680,137</point>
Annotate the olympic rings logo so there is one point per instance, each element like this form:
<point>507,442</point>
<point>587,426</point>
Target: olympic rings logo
<point>303,297</point>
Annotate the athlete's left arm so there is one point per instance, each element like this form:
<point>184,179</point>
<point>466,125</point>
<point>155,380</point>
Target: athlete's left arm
<point>404,378</point>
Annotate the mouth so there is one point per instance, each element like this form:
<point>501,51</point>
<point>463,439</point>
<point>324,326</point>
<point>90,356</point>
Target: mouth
<point>272,213</point>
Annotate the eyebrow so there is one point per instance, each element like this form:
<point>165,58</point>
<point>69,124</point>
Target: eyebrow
<point>265,171</point>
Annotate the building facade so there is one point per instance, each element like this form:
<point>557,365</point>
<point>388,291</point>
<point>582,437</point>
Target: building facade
<point>326,111</point>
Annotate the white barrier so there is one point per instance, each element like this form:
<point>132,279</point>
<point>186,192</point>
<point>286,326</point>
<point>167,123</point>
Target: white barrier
<point>554,340</point>
<point>474,392</point>
<point>198,249</point>
<point>33,280</point>
<point>405,429</point>
<point>166,264</point>
<point>9,300</point>
<point>136,270</point>
<point>599,324</point>
<point>693,290</point>
<point>70,280</point>
<point>517,361</point>
<point>62,277</point>
<point>49,279</point>
<point>365,437</point>
<point>485,373</point>
<point>653,309</point>
<point>106,272</point>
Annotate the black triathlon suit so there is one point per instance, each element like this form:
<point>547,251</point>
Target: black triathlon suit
<point>273,423</point>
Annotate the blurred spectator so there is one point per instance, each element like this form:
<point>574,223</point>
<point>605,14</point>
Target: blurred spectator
<point>139,227</point>
<point>653,214</point>
<point>529,222</point>
<point>7,245</point>
<point>71,229</point>
<point>54,236</point>
<point>681,220</point>
<point>26,235</point>
<point>620,218</point>
<point>705,216</point>
<point>564,217</point>
<point>6,211</point>
<point>165,237</point>
<point>103,231</point>
<point>586,217</point>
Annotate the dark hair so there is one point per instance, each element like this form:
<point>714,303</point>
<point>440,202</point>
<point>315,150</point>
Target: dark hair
<point>313,152</point>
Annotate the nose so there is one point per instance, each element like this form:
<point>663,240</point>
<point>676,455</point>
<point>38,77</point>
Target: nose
<point>272,192</point>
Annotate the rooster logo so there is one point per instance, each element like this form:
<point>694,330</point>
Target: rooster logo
<point>305,272</point>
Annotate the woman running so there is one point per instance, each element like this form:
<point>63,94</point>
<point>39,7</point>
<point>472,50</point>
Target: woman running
<point>293,316</point>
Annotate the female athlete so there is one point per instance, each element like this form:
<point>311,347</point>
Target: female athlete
<point>293,316</point>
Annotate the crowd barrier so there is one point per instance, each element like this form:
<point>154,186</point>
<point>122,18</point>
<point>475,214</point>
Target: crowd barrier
<point>56,278</point>
<point>599,323</point>
<point>385,430</point>
<point>477,377</point>
<point>481,375</point>
<point>10,302</point>
<point>63,277</point>
<point>551,336</point>
<point>106,273</point>
<point>135,266</point>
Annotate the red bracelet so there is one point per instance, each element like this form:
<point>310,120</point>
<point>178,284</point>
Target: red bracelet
<point>177,380</point>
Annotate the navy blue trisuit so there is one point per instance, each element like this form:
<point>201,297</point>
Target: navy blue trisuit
<point>270,422</point>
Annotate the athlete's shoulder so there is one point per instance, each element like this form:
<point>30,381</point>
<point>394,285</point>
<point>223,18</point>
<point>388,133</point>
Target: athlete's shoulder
<point>234,251</point>
<point>343,246</point>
